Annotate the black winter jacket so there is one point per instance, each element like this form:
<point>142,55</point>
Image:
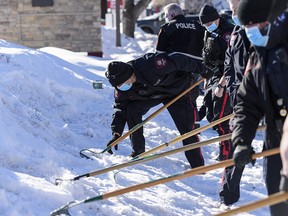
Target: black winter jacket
<point>158,76</point>
<point>215,45</point>
<point>236,58</point>
<point>181,35</point>
<point>255,98</point>
<point>253,103</point>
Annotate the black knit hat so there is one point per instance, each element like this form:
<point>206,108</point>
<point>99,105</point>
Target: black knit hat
<point>208,14</point>
<point>253,11</point>
<point>118,72</point>
<point>278,7</point>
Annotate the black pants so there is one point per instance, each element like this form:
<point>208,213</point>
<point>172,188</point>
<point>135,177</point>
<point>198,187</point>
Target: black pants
<point>230,187</point>
<point>272,166</point>
<point>183,114</point>
<point>217,108</point>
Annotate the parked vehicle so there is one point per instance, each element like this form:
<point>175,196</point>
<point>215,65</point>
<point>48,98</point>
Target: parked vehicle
<point>151,24</point>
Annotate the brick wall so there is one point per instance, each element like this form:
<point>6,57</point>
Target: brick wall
<point>70,24</point>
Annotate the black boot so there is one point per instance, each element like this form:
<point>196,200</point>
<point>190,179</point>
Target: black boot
<point>134,153</point>
<point>220,156</point>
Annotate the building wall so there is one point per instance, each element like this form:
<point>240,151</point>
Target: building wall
<point>192,6</point>
<point>70,24</point>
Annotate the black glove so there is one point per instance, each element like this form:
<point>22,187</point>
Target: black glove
<point>283,183</point>
<point>115,137</point>
<point>210,71</point>
<point>243,155</point>
<point>207,74</point>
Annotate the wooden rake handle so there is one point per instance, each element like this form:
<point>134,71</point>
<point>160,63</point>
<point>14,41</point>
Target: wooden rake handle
<point>270,200</point>
<point>167,153</point>
<point>186,135</point>
<point>186,174</point>
<point>153,157</point>
<point>189,173</point>
<point>196,145</point>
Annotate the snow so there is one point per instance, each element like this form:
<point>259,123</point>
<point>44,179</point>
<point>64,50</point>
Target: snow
<point>49,112</point>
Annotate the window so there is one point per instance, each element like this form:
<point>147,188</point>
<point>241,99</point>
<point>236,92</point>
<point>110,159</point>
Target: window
<point>42,3</point>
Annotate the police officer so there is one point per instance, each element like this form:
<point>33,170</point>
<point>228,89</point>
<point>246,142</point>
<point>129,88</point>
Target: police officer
<point>263,90</point>
<point>146,82</point>
<point>236,58</point>
<point>236,55</point>
<point>180,33</point>
<point>216,98</point>
<point>184,35</point>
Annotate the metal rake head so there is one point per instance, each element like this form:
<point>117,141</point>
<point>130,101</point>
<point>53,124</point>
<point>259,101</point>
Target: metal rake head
<point>61,211</point>
<point>95,154</point>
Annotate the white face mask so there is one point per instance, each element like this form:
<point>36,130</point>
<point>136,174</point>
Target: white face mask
<point>256,37</point>
<point>236,20</point>
<point>212,27</point>
<point>125,87</point>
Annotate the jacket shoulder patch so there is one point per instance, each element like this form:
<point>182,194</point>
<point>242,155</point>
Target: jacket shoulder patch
<point>226,36</point>
<point>160,62</point>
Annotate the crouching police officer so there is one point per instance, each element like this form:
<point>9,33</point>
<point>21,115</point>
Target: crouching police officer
<point>146,82</point>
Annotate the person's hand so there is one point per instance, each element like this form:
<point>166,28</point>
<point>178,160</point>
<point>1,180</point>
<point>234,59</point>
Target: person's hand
<point>283,183</point>
<point>231,124</point>
<point>243,155</point>
<point>115,137</point>
<point>284,148</point>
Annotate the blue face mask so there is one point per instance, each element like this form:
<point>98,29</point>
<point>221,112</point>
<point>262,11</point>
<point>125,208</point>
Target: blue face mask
<point>255,36</point>
<point>236,20</point>
<point>212,27</point>
<point>125,87</point>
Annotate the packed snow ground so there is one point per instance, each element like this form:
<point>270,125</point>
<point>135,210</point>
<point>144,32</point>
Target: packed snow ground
<point>49,112</point>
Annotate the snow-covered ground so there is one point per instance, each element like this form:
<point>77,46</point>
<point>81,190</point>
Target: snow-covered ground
<point>49,112</point>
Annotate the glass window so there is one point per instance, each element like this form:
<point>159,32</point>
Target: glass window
<point>42,3</point>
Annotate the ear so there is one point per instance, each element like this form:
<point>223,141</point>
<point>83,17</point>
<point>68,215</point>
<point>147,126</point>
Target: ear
<point>133,78</point>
